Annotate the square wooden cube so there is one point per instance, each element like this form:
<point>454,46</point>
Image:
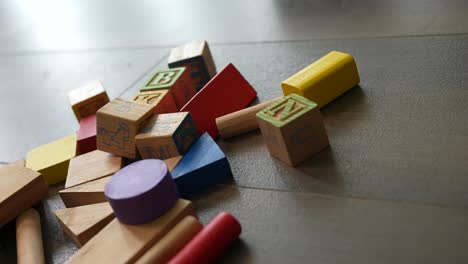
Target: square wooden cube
<point>167,135</point>
<point>86,140</point>
<point>196,56</point>
<point>161,101</point>
<point>86,100</point>
<point>117,125</point>
<point>293,129</point>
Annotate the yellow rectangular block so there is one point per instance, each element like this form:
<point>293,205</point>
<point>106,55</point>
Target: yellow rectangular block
<point>52,159</point>
<point>325,79</point>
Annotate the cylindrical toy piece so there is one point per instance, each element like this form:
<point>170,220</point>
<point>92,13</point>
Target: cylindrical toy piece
<point>29,247</point>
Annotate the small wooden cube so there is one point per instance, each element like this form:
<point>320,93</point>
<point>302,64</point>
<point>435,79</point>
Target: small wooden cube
<point>167,135</point>
<point>161,101</point>
<point>117,125</point>
<point>86,100</point>
<point>293,129</point>
<point>196,56</point>
<point>177,81</point>
<point>86,139</point>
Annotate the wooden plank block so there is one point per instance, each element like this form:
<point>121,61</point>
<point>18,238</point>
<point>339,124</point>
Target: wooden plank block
<point>241,121</point>
<point>177,81</point>
<point>172,242</point>
<point>117,125</point>
<point>166,135</point>
<point>81,223</point>
<point>20,188</point>
<point>162,101</point>
<point>92,166</point>
<point>204,165</point>
<point>29,247</point>
<point>227,92</point>
<point>86,136</point>
<point>293,129</point>
<point>196,56</point>
<point>86,100</point>
<point>87,193</point>
<point>52,159</point>
<point>325,79</point>
<point>120,243</point>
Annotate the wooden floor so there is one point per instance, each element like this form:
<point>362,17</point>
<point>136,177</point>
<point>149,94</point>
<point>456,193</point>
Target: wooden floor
<point>392,188</point>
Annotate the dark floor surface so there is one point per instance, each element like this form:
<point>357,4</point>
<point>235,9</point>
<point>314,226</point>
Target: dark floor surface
<point>390,189</point>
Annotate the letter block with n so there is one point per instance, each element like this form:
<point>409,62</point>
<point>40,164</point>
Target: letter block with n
<point>293,129</point>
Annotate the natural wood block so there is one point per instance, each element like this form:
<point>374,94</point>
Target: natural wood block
<point>81,223</point>
<point>20,189</point>
<point>196,56</point>
<point>227,92</point>
<point>171,163</point>
<point>86,136</point>
<point>162,101</point>
<point>166,135</point>
<point>120,243</point>
<point>325,79</point>
<point>86,100</point>
<point>87,193</point>
<point>177,81</point>
<point>29,247</point>
<point>117,125</point>
<point>52,159</point>
<point>92,166</point>
<point>293,129</point>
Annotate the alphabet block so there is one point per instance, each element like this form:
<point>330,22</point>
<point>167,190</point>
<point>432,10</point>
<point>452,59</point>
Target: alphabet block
<point>117,125</point>
<point>167,135</point>
<point>52,159</point>
<point>86,100</point>
<point>204,165</point>
<point>86,138</point>
<point>177,81</point>
<point>293,129</point>
<point>196,56</point>
<point>161,101</point>
<point>325,79</point>
<point>227,92</point>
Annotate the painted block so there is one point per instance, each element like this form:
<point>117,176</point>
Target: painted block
<point>196,56</point>
<point>204,165</point>
<point>81,223</point>
<point>87,193</point>
<point>227,92</point>
<point>161,100</point>
<point>52,159</point>
<point>166,135</point>
<point>86,100</point>
<point>92,166</point>
<point>117,125</point>
<point>293,129</point>
<point>86,137</point>
<point>20,189</point>
<point>177,81</point>
<point>325,79</point>
<point>120,243</point>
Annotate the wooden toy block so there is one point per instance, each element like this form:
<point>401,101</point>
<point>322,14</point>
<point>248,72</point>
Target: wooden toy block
<point>20,189</point>
<point>117,125</point>
<point>177,81</point>
<point>196,56</point>
<point>227,92</point>
<point>29,247</point>
<point>172,242</point>
<point>325,79</point>
<point>166,135</point>
<point>241,121</point>
<point>121,243</point>
<point>92,166</point>
<point>211,242</point>
<point>204,165</point>
<point>81,223</point>
<point>86,100</point>
<point>87,193</point>
<point>293,129</point>
<point>86,136</point>
<point>171,163</point>
<point>161,101</point>
<point>141,192</point>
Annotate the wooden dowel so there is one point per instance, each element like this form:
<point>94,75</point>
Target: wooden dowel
<point>29,247</point>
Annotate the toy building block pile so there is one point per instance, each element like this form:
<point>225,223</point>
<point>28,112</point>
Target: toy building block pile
<point>133,163</point>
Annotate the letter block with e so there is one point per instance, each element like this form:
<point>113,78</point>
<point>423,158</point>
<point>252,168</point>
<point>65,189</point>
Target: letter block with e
<point>293,129</point>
